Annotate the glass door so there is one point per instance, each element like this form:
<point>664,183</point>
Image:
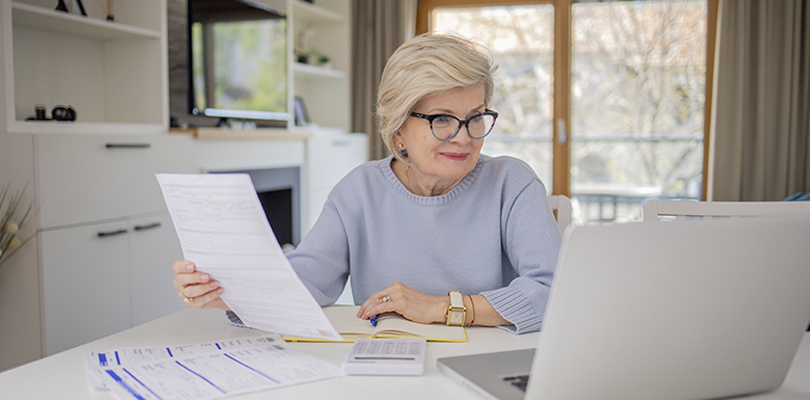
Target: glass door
<point>521,38</point>
<point>638,94</point>
<point>607,101</point>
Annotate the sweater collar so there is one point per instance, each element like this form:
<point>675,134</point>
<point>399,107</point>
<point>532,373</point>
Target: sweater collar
<point>458,190</point>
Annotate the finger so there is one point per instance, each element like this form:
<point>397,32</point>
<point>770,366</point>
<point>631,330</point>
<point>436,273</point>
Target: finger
<point>199,289</point>
<point>381,308</point>
<point>371,302</point>
<point>183,266</point>
<point>208,300</point>
<point>193,278</point>
<point>378,305</point>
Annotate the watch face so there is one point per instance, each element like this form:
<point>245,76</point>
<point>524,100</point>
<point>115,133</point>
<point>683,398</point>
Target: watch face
<point>456,318</point>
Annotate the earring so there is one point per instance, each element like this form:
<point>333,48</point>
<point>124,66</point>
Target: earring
<point>402,151</point>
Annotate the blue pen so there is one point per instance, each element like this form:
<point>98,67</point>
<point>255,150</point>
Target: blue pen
<point>373,320</point>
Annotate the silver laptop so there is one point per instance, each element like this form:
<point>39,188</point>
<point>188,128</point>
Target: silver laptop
<point>691,310</point>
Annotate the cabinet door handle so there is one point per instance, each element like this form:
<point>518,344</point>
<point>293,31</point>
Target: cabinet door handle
<point>112,233</point>
<point>128,145</point>
<point>145,227</point>
<point>340,143</point>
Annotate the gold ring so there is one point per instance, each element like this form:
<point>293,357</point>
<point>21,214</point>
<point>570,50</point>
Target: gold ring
<point>186,299</point>
<point>385,298</point>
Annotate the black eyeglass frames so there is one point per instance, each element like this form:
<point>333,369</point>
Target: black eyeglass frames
<point>445,127</point>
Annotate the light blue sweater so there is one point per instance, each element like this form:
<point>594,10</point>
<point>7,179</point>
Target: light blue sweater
<point>493,234</point>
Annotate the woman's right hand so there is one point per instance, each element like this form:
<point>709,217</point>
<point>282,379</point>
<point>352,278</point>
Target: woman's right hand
<point>197,289</point>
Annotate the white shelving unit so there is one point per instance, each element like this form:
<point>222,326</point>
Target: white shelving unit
<point>325,91</point>
<point>305,71</point>
<point>113,73</point>
<point>51,20</point>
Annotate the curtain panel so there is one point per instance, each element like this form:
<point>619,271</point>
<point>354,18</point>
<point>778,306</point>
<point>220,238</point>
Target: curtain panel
<point>761,107</point>
<point>379,28</point>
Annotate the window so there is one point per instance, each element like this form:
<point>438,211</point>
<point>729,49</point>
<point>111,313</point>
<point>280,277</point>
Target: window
<point>607,101</point>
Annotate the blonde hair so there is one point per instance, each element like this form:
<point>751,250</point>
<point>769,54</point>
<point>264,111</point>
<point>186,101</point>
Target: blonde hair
<point>424,65</point>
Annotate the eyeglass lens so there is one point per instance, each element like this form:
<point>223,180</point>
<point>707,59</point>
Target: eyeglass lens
<point>446,126</point>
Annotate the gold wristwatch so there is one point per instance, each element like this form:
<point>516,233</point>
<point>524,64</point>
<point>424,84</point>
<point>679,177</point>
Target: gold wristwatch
<point>456,312</point>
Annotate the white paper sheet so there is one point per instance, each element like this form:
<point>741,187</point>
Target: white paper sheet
<point>206,370</point>
<point>223,229</point>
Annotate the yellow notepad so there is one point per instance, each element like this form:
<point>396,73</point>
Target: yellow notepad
<point>345,321</point>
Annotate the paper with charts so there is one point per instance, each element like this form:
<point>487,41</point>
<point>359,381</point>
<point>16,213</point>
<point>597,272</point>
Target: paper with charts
<point>223,229</point>
<point>209,370</point>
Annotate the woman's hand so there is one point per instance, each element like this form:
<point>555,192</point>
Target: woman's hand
<point>197,289</point>
<point>409,303</point>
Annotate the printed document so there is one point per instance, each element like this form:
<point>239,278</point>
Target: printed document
<point>223,229</point>
<point>206,370</point>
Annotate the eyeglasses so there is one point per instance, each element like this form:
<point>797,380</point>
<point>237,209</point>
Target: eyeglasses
<point>445,127</point>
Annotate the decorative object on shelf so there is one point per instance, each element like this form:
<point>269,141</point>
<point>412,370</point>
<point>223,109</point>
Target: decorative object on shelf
<point>301,47</point>
<point>75,7</point>
<point>110,16</point>
<point>78,8</point>
<point>301,117</point>
<point>306,54</point>
<point>10,222</point>
<point>39,109</point>
<point>62,113</point>
<point>40,112</point>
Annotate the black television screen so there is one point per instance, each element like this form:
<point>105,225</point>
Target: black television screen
<point>238,59</point>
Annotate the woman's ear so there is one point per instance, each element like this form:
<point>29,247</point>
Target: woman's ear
<point>400,145</point>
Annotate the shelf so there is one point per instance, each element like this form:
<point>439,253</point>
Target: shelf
<point>311,71</point>
<point>64,127</point>
<point>59,21</point>
<point>240,134</point>
<point>303,11</point>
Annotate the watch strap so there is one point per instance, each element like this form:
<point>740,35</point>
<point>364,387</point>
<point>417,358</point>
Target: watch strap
<point>456,299</point>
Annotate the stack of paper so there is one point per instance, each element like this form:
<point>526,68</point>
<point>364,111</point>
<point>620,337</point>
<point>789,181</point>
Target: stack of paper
<point>205,370</point>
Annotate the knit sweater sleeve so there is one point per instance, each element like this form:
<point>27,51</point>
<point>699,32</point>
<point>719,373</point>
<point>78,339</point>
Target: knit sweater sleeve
<point>531,241</point>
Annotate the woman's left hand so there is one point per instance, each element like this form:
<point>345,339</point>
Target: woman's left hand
<point>409,303</point>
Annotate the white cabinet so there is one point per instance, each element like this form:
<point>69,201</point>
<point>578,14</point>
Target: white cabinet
<point>85,178</point>
<point>85,284</point>
<point>329,158</point>
<point>107,243</point>
<point>114,74</point>
<point>102,278</point>
<point>153,247</point>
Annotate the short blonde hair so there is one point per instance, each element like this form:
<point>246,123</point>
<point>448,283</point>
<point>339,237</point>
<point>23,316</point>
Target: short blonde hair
<point>424,65</point>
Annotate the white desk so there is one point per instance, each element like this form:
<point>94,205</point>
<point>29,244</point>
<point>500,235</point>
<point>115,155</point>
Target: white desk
<point>64,375</point>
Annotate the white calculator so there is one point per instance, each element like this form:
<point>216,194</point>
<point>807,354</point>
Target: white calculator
<point>386,357</point>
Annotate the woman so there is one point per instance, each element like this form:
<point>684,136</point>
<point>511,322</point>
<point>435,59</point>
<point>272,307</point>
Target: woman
<point>434,217</point>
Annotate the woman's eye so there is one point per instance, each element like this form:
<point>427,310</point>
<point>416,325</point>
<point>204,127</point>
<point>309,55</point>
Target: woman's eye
<point>443,119</point>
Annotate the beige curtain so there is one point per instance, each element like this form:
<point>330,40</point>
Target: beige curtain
<point>762,101</point>
<point>379,27</point>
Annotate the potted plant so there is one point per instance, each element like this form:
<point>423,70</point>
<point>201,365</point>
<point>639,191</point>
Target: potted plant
<point>13,216</point>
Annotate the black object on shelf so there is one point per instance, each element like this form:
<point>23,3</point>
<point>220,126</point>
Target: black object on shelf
<point>62,113</point>
<point>61,6</point>
<point>81,6</point>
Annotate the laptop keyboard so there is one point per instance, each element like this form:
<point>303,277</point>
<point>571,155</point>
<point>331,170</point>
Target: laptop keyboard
<point>519,381</point>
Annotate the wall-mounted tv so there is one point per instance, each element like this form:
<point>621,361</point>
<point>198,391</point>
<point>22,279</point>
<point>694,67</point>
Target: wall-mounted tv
<point>238,60</point>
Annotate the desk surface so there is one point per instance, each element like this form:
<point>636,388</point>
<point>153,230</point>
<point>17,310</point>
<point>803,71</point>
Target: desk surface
<point>64,375</point>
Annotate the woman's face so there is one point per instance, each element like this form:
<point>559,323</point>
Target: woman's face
<point>442,163</point>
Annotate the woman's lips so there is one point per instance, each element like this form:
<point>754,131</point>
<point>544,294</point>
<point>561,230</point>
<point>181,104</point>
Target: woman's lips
<point>455,156</point>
